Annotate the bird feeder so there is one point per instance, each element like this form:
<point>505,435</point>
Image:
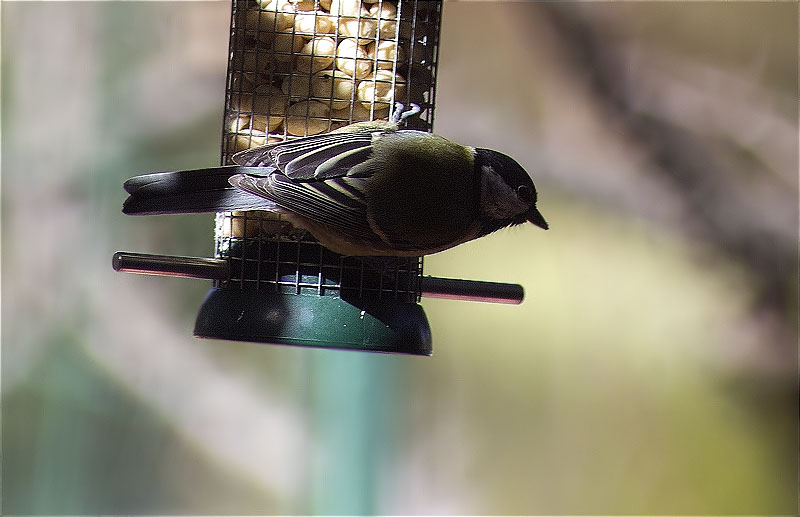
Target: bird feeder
<point>299,68</point>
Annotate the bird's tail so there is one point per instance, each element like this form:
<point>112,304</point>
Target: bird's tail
<point>193,191</point>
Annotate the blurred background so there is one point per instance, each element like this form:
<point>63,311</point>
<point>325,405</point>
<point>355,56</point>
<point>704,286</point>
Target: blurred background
<point>652,368</point>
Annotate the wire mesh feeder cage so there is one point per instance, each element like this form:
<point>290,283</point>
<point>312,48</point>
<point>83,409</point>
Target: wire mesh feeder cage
<point>283,287</point>
<point>300,68</point>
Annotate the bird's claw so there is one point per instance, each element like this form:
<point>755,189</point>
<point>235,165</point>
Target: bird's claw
<point>400,113</point>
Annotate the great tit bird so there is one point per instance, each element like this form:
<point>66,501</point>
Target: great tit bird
<point>368,189</point>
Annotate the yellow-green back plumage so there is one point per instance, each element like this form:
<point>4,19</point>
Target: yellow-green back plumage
<point>423,189</point>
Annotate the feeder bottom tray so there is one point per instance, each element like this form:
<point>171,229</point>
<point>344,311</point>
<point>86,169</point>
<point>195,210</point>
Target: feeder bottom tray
<point>387,326</point>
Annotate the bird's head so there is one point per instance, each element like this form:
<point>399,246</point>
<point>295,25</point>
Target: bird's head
<point>507,194</point>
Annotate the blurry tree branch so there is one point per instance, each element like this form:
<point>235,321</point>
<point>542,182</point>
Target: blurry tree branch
<point>725,144</point>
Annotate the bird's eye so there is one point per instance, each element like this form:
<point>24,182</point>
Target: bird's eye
<point>525,193</point>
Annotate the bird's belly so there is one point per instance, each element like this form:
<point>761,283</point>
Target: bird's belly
<point>350,245</point>
<point>347,245</point>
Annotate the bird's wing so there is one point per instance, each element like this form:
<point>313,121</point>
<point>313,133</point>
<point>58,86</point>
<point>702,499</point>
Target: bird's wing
<point>322,178</point>
<point>315,157</point>
<point>325,156</point>
<point>311,180</point>
<point>337,202</point>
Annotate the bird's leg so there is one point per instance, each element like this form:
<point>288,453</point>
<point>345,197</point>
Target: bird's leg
<point>400,113</point>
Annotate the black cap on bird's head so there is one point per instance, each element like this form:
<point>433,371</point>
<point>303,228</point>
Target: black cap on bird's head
<point>507,192</point>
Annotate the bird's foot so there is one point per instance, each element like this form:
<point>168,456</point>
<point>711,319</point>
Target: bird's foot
<point>400,113</point>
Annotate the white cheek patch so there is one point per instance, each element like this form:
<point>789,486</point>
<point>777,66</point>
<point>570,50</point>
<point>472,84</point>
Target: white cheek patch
<point>498,200</point>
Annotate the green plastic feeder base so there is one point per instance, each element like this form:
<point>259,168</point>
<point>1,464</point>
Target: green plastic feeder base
<point>314,321</point>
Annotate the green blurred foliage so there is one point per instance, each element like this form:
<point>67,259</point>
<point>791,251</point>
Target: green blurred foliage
<point>607,388</point>
<point>98,448</point>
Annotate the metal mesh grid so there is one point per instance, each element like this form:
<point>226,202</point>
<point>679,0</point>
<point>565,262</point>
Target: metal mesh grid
<point>271,255</point>
<point>300,68</point>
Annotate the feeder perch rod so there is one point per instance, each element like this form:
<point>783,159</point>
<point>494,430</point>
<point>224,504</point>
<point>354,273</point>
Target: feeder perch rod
<point>219,269</point>
<point>167,265</point>
<point>471,290</point>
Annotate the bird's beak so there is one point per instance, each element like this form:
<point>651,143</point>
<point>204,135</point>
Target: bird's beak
<point>536,218</point>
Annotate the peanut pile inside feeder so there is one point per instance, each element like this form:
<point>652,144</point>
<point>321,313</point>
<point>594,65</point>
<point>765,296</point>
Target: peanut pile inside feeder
<point>306,67</point>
